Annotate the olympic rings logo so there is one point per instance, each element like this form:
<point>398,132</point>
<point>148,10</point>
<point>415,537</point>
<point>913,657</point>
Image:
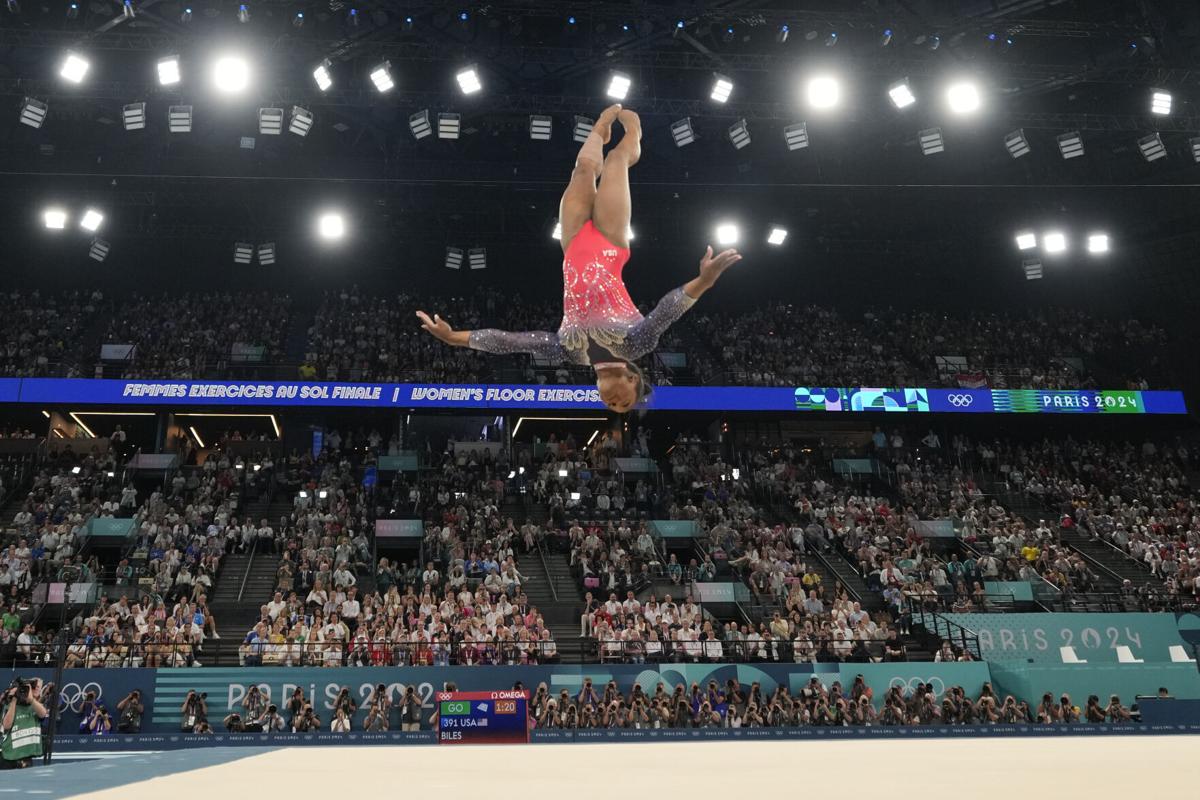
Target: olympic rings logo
<point>912,684</point>
<point>960,400</point>
<point>73,695</point>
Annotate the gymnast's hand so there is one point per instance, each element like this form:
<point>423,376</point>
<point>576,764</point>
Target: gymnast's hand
<point>442,330</point>
<point>711,268</point>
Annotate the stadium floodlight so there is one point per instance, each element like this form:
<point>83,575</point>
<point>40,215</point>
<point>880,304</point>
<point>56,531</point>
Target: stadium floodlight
<point>55,218</point>
<point>243,14</point>
<point>243,252</point>
<point>583,128</point>
<point>722,88</point>
<point>1026,240</point>
<point>540,126</point>
<point>1097,243</point>
<point>618,86</point>
<point>270,121</point>
<point>331,226</point>
<point>454,258</point>
<point>302,121</point>
<point>129,11</point>
<point>266,254</point>
<point>323,75</point>
<point>468,80</point>
<point>168,71</point>
<point>246,143</point>
<point>73,11</point>
<point>449,125</point>
<point>33,112</point>
<point>902,95</point>
<point>179,119</point>
<point>682,132</point>
<point>231,74</point>
<point>1016,143</point>
<point>556,234</point>
<point>796,136</point>
<point>186,15</point>
<point>381,76</point>
<point>1054,242</point>
<point>963,98</point>
<point>1033,269</point>
<point>418,123</point>
<point>134,116</point>
<point>99,250</point>
<point>727,233</point>
<point>91,220</point>
<point>1161,102</point>
<point>931,141</point>
<point>1195,143</point>
<point>824,92</point>
<point>1070,145</point>
<point>477,256</point>
<point>739,134</point>
<point>777,236</point>
<point>74,67</point>
<point>1152,147</point>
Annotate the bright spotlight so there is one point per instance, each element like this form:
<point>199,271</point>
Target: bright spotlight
<point>901,94</point>
<point>331,226</point>
<point>963,98</point>
<point>1098,243</point>
<point>381,76</point>
<point>777,236</point>
<point>168,70</point>
<point>231,74</point>
<point>55,218</point>
<point>468,80</point>
<point>1160,102</point>
<point>91,220</point>
<point>322,77</point>
<point>1055,242</point>
<point>1026,241</point>
<point>823,92</point>
<point>722,88</point>
<point>74,68</point>
<point>727,233</point>
<point>618,86</point>
<point>556,234</point>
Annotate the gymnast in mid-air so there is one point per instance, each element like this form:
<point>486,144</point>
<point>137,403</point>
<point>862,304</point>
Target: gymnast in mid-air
<point>601,326</point>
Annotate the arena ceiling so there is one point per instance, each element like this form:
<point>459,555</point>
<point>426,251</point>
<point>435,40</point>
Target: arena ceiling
<point>862,193</point>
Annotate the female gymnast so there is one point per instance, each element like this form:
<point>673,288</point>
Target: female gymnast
<point>601,326</point>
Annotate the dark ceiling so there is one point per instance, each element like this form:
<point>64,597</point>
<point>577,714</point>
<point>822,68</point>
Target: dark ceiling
<point>870,214</point>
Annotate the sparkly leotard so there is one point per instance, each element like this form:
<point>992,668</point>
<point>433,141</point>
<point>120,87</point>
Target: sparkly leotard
<point>597,309</point>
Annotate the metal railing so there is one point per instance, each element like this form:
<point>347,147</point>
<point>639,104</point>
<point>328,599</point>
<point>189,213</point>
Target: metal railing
<point>946,630</point>
<point>390,653</point>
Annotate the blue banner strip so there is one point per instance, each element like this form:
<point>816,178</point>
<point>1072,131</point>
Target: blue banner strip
<point>83,391</point>
<point>83,744</point>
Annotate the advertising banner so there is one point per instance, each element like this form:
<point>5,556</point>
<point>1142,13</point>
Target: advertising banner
<point>1095,637</point>
<point>665,398</point>
<point>399,529</point>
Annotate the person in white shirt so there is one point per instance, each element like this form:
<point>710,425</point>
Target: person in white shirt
<point>351,608</point>
<point>276,606</point>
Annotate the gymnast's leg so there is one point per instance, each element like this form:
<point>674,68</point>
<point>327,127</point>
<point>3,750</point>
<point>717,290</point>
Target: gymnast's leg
<point>613,208</point>
<point>575,208</point>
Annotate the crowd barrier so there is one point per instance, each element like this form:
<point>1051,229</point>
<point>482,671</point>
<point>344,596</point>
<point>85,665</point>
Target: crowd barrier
<point>164,690</point>
<point>144,742</point>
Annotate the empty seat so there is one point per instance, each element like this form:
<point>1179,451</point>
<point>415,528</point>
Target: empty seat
<point>1069,657</point>
<point>1179,655</point>
<point>1125,655</point>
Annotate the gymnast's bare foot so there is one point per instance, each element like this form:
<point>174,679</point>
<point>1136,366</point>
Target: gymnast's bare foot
<point>631,142</point>
<point>603,126</point>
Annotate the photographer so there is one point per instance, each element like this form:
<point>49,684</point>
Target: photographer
<point>270,721</point>
<point>234,724</point>
<point>345,702</point>
<point>100,723</point>
<point>307,721</point>
<point>20,728</point>
<point>194,710</point>
<point>378,707</point>
<point>130,711</point>
<point>410,711</point>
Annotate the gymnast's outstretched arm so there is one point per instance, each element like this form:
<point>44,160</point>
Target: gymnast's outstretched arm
<point>539,343</point>
<point>644,336</point>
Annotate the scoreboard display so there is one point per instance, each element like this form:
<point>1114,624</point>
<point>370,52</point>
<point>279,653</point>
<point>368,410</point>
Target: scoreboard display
<point>483,717</point>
